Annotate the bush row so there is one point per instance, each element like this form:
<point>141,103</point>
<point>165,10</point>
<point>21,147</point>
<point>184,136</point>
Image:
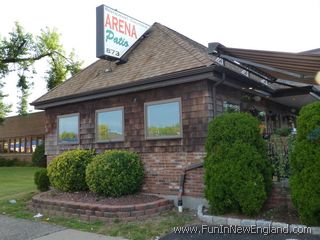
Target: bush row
<point>112,173</point>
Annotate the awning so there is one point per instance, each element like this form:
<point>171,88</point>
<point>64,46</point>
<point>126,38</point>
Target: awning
<point>299,67</point>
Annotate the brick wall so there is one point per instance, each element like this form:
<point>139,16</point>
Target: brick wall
<point>164,159</point>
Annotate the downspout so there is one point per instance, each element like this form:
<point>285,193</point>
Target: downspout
<point>182,179</point>
<point>214,93</point>
<point>197,165</point>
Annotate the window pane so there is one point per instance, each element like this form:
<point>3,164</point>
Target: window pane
<point>230,107</point>
<point>68,129</point>
<point>34,144</point>
<point>5,146</point>
<point>11,145</point>
<point>163,120</point>
<point>22,145</point>
<point>110,125</point>
<point>28,145</point>
<point>40,141</point>
<point>17,145</point>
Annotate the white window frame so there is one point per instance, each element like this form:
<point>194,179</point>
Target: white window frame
<point>96,124</point>
<point>147,104</point>
<point>66,116</point>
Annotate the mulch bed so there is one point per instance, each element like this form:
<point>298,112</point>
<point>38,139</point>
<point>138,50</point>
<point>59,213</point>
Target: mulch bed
<point>88,197</point>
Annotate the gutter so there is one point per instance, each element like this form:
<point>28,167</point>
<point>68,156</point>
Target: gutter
<point>190,75</point>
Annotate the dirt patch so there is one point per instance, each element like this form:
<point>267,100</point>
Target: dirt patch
<point>88,197</point>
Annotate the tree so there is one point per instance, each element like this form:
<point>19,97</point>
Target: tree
<point>19,53</point>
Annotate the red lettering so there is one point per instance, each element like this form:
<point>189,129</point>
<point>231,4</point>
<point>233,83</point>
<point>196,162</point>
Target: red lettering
<point>108,22</point>
<point>115,23</point>
<point>133,33</point>
<point>120,26</point>
<point>127,27</point>
<point>121,22</point>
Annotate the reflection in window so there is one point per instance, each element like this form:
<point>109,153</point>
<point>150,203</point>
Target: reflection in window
<point>17,145</point>
<point>163,120</point>
<point>34,144</point>
<point>230,107</point>
<point>68,129</point>
<point>5,146</point>
<point>110,125</point>
<point>22,145</point>
<point>40,141</point>
<point>11,145</point>
<point>28,145</point>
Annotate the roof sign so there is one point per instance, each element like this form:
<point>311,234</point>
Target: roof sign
<point>116,32</point>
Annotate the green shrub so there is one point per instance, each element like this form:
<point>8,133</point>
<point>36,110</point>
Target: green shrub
<point>115,173</point>
<point>283,132</point>
<point>308,122</point>
<point>13,163</point>
<point>238,176</point>
<point>231,127</point>
<point>67,171</point>
<point>38,157</point>
<point>41,179</point>
<point>305,166</point>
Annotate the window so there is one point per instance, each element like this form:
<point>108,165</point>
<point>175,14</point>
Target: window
<point>109,125</point>
<point>5,146</point>
<point>22,146</point>
<point>163,119</point>
<point>28,145</point>
<point>68,129</point>
<point>230,107</point>
<point>40,140</point>
<point>17,145</point>
<point>34,144</point>
<point>11,145</point>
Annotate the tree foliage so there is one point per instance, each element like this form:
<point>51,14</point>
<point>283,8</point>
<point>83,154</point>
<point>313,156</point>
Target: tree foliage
<point>21,50</point>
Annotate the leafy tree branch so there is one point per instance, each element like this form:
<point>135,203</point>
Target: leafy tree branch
<point>21,50</point>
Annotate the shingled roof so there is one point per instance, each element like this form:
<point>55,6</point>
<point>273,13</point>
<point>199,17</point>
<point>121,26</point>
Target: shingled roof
<point>162,52</point>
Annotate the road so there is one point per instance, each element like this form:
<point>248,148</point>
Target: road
<point>209,235</point>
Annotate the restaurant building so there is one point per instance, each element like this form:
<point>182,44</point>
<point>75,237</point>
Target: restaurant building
<point>158,101</point>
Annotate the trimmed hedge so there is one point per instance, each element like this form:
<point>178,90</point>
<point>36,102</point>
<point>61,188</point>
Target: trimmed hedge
<point>232,127</point>
<point>238,175</point>
<point>115,173</point>
<point>41,179</point>
<point>305,165</point>
<point>38,157</point>
<point>67,171</point>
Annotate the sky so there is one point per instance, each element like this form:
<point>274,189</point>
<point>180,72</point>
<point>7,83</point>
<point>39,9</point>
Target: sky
<point>278,25</point>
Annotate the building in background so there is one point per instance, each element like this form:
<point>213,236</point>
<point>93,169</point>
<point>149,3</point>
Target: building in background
<point>20,135</point>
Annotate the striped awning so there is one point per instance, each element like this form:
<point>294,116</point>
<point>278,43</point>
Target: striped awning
<point>299,67</point>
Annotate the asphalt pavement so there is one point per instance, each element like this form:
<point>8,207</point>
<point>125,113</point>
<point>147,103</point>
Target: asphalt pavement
<point>20,229</point>
<point>209,235</point>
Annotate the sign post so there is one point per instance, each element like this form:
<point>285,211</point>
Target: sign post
<point>116,32</point>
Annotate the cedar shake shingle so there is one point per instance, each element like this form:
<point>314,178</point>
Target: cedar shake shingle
<point>163,51</point>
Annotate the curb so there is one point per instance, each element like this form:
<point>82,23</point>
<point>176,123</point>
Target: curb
<point>217,220</point>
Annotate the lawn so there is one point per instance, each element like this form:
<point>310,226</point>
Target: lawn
<point>17,183</point>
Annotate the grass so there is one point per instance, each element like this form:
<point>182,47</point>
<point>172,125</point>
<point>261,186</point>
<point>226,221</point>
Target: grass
<point>17,183</point>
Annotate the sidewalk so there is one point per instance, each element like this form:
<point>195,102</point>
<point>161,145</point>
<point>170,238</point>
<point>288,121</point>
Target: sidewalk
<point>17,229</point>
